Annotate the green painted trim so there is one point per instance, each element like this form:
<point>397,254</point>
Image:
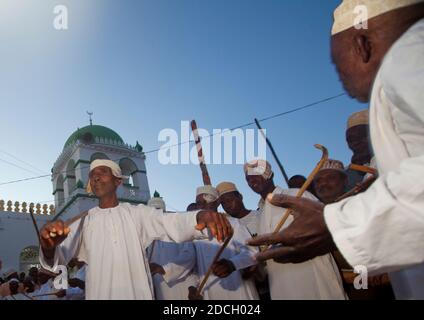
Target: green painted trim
<point>81,161</point>
<point>57,190</point>
<point>81,195</point>
<point>70,177</point>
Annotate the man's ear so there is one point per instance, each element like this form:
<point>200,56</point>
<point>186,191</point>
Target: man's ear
<point>118,182</point>
<point>363,48</point>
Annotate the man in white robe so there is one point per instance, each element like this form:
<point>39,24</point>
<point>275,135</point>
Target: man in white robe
<point>172,264</point>
<point>315,279</point>
<point>225,281</point>
<point>112,238</point>
<point>382,228</point>
<point>232,202</point>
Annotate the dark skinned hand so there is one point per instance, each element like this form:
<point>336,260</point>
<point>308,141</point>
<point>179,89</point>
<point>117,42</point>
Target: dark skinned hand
<point>75,282</point>
<point>61,293</point>
<point>155,268</point>
<point>51,235</point>
<point>305,238</point>
<point>216,222</point>
<point>223,268</point>
<point>192,294</point>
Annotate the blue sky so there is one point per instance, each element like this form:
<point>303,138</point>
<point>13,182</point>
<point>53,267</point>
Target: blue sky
<point>145,65</point>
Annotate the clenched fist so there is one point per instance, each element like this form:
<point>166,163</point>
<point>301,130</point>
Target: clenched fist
<point>51,235</point>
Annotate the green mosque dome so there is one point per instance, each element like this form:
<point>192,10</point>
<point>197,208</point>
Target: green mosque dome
<point>89,134</point>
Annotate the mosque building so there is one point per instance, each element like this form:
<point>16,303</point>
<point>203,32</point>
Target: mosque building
<point>18,239</point>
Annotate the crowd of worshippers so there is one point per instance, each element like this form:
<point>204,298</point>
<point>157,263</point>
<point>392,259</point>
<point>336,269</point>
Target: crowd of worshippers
<point>176,267</point>
<point>38,284</point>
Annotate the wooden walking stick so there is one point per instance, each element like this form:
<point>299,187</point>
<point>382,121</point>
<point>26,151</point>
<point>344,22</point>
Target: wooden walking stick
<point>362,186</point>
<point>271,148</point>
<point>206,181</point>
<point>215,259</point>
<point>365,169</point>
<point>31,212</point>
<point>205,174</point>
<point>305,186</point>
<point>46,294</point>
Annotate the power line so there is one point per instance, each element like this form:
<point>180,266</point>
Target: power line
<point>22,161</point>
<point>307,106</point>
<point>15,165</point>
<point>25,179</point>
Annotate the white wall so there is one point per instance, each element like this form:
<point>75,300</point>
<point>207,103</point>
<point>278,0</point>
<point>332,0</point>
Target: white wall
<point>16,233</point>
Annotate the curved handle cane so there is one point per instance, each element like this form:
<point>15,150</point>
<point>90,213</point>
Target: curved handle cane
<point>306,185</point>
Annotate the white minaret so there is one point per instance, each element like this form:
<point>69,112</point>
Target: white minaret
<point>70,171</point>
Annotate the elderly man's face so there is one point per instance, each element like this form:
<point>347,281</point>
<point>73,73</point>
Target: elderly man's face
<point>329,185</point>
<point>355,71</point>
<point>357,139</point>
<point>103,182</point>
<point>232,202</point>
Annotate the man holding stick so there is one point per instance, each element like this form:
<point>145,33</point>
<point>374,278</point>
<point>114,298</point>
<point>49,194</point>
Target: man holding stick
<point>112,238</point>
<point>225,282</point>
<point>311,280</point>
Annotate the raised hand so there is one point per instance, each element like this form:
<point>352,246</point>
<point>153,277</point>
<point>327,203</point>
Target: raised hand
<point>305,238</point>
<point>216,222</point>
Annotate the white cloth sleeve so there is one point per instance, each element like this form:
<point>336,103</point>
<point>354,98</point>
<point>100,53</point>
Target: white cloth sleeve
<point>246,254</point>
<point>182,265</point>
<point>66,250</point>
<point>383,228</point>
<point>176,227</point>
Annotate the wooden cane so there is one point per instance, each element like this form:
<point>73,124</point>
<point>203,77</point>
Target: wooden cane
<point>46,294</point>
<point>271,148</point>
<point>205,174</point>
<point>27,296</point>
<point>68,222</point>
<point>360,187</point>
<point>31,212</point>
<point>365,169</point>
<point>215,259</point>
<point>305,186</point>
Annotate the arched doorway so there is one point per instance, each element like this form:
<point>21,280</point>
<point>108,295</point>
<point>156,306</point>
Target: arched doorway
<point>29,258</point>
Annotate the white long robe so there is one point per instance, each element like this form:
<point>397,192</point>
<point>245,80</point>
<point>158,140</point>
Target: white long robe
<point>112,242</point>
<point>251,222</point>
<point>232,287</point>
<point>178,261</point>
<point>316,279</point>
<point>383,228</point>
